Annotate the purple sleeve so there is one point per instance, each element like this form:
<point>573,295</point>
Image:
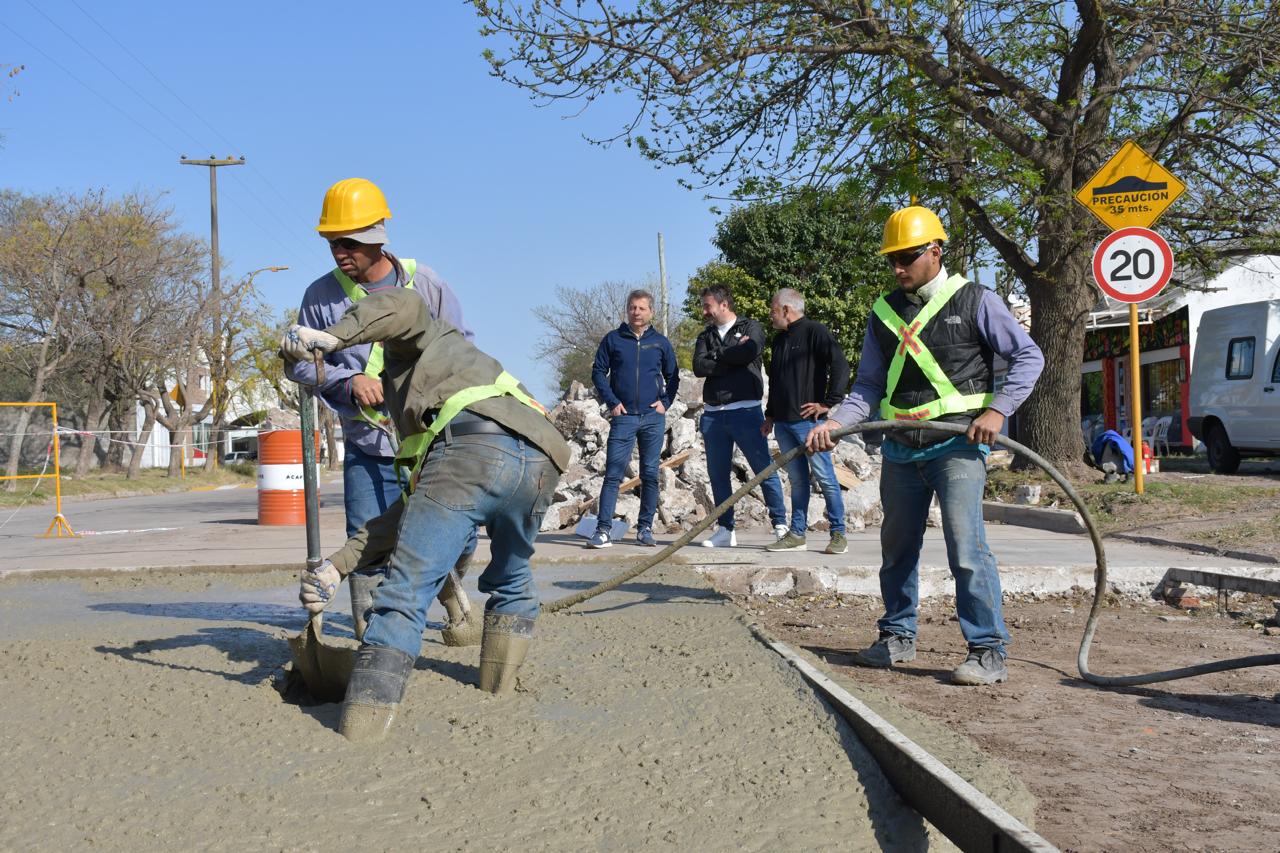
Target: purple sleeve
<point>868,388</point>
<point>317,312</point>
<point>1007,338</point>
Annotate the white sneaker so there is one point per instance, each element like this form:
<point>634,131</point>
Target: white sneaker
<point>780,531</point>
<point>722,538</point>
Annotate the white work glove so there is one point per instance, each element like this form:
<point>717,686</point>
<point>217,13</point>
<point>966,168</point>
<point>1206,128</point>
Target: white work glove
<point>299,342</point>
<point>318,587</point>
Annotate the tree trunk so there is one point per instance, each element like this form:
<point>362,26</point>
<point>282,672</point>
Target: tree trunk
<point>89,441</point>
<point>329,423</point>
<point>1061,299</point>
<point>142,441</point>
<point>177,442</point>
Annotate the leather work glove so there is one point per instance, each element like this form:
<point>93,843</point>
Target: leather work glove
<point>318,587</point>
<point>299,342</point>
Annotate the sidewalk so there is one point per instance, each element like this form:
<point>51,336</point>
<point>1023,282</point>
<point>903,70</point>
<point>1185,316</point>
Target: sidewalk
<point>218,531</point>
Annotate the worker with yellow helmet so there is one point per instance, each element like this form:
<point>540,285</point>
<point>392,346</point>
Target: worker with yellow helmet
<point>353,220</point>
<point>928,354</point>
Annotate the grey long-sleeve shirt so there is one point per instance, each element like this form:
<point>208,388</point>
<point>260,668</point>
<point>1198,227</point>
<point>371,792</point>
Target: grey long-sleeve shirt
<point>324,304</point>
<point>998,329</point>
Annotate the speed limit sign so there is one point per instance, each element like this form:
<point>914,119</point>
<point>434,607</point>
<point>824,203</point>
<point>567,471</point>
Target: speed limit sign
<point>1132,264</point>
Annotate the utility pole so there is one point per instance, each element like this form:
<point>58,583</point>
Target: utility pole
<point>662,283</point>
<point>218,362</point>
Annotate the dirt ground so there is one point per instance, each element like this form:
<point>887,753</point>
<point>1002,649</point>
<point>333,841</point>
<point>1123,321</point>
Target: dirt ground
<point>1182,765</point>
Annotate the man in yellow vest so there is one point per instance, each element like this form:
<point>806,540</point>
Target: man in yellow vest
<point>928,355</point>
<point>353,222</point>
<point>478,449</point>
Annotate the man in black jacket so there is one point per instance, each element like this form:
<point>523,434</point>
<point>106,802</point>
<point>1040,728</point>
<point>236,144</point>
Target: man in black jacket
<point>728,355</point>
<point>808,374</point>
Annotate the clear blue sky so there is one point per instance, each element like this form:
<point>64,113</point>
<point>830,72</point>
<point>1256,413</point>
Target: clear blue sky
<point>502,197</point>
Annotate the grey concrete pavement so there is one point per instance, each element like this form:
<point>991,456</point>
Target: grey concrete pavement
<point>219,530</point>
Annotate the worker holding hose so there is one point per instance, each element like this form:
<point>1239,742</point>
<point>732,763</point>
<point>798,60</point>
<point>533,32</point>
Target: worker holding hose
<point>477,449</point>
<point>928,355</point>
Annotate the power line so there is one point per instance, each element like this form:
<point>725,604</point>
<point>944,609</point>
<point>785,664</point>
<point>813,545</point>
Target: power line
<point>180,100</point>
<point>92,90</point>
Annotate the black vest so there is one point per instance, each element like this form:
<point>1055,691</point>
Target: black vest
<point>953,339</point>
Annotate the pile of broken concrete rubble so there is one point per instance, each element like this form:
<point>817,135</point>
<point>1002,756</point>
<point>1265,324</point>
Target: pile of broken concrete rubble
<point>685,496</point>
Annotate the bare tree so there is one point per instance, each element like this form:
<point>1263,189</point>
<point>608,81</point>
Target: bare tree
<point>40,236</point>
<point>996,110</point>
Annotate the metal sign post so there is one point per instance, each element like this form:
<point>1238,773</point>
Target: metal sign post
<point>1132,263</point>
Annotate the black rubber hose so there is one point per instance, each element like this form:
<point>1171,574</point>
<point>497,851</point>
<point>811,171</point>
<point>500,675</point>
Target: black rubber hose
<point>1099,574</point>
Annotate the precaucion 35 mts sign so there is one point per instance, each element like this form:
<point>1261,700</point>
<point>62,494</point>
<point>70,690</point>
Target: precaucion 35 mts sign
<point>1132,264</point>
<point>1130,189</point>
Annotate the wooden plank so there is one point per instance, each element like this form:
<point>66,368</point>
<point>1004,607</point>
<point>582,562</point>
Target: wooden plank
<point>672,462</point>
<point>846,478</point>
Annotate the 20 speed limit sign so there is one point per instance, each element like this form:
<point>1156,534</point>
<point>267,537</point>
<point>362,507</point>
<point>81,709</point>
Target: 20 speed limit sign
<point>1132,264</point>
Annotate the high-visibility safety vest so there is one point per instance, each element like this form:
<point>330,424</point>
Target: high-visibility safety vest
<point>950,401</point>
<point>413,450</point>
<point>373,367</point>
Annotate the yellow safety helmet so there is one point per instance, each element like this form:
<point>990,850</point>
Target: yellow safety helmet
<point>910,227</point>
<point>352,204</point>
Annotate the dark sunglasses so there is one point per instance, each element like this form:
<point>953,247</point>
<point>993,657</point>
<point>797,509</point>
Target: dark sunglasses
<point>907,258</point>
<point>345,243</point>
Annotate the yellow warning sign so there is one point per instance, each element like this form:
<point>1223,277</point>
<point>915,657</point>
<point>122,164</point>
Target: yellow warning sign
<point>1130,189</point>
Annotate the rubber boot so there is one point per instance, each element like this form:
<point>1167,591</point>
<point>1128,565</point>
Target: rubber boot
<point>374,692</point>
<point>502,650</point>
<point>465,624</point>
<point>362,587</point>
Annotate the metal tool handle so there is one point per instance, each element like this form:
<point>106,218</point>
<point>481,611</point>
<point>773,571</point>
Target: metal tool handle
<point>310,488</point>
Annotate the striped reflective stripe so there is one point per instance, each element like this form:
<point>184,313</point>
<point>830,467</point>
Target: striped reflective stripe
<point>950,400</point>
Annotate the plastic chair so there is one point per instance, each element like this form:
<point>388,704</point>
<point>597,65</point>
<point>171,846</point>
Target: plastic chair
<point>1160,435</point>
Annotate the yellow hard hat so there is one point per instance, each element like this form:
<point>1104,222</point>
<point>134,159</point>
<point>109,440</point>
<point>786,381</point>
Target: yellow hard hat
<point>351,204</point>
<point>910,227</point>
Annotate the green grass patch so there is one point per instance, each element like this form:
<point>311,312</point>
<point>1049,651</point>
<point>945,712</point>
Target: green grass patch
<point>107,484</point>
<point>1116,506</point>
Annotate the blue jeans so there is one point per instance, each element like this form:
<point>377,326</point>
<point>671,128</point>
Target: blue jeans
<point>720,432</point>
<point>906,489</point>
<point>499,481</point>
<point>369,487</point>
<point>624,431</point>
<point>791,434</point>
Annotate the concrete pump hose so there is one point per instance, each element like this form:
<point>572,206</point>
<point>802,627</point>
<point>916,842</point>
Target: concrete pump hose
<point>1099,574</point>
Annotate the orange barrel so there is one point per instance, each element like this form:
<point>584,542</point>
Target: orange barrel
<point>281,498</point>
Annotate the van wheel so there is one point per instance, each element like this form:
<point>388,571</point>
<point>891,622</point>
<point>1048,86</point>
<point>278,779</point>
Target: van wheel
<point>1223,458</point>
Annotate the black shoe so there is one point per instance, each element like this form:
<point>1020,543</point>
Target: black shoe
<point>886,651</point>
<point>374,692</point>
<point>982,666</point>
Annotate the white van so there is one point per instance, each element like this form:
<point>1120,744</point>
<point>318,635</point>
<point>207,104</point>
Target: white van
<point>1235,383</point>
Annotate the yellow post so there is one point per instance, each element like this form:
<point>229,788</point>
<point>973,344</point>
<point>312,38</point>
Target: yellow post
<point>59,527</point>
<point>1135,398</point>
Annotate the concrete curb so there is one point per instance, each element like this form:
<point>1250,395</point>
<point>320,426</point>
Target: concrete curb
<point>1040,518</point>
<point>968,817</point>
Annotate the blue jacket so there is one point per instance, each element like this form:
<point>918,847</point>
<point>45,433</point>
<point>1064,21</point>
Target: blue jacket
<point>636,372</point>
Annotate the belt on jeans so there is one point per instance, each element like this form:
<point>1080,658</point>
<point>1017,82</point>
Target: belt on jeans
<point>468,423</point>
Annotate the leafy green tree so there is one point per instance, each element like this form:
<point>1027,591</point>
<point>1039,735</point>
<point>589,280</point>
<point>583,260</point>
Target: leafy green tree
<point>823,243</point>
<point>992,111</point>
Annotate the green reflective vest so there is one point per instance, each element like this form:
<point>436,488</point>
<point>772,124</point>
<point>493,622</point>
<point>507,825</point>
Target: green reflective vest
<point>373,367</point>
<point>950,401</point>
<point>413,450</point>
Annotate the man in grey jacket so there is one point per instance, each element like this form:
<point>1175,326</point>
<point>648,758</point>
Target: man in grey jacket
<point>353,221</point>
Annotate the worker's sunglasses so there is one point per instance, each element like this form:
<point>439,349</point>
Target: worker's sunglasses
<point>345,243</point>
<point>907,258</point>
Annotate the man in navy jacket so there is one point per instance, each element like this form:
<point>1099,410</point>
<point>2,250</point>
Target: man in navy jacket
<point>636,376</point>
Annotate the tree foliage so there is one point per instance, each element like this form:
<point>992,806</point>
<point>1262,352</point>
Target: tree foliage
<point>823,243</point>
<point>993,111</point>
